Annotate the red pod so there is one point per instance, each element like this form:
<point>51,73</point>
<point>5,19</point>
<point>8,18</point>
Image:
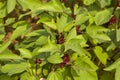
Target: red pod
<point>61,65</point>
<point>118,3</point>
<point>66,59</point>
<point>61,40</point>
<point>38,61</point>
<point>113,20</point>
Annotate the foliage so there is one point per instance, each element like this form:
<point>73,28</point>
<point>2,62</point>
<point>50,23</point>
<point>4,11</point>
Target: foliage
<point>59,39</point>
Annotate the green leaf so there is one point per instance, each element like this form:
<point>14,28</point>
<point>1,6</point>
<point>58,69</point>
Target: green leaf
<point>61,23</point>
<point>117,73</point>
<point>113,65</point>
<point>9,21</point>
<point>104,3</point>
<point>5,77</point>
<point>106,76</point>
<point>4,46</point>
<point>118,34</point>
<point>84,63</point>
<point>14,68</point>
<point>88,2</point>
<point>103,16</point>
<point>88,75</point>
<point>84,69</point>
<point>22,28</point>
<point>10,5</point>
<point>98,33</point>
<point>55,58</point>
<point>72,34</point>
<point>81,18</point>
<point>27,76</point>
<point>7,55</point>
<point>49,47</point>
<point>74,44</point>
<point>102,56</point>
<point>23,4</point>
<point>68,26</point>
<point>53,5</point>
<point>25,53</point>
<point>3,9</point>
<point>54,76</point>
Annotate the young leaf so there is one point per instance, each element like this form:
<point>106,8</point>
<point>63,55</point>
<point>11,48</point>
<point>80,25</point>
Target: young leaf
<point>11,5</point>
<point>84,63</point>
<point>9,21</point>
<point>113,66</point>
<point>27,76</point>
<point>104,3</point>
<point>4,46</point>
<point>50,46</point>
<point>14,68</point>
<point>74,44</point>
<point>117,73</point>
<point>8,56</point>
<point>88,2</point>
<point>55,76</point>
<point>88,75</point>
<point>118,34</point>
<point>22,28</point>
<point>55,58</point>
<point>103,16</point>
<point>81,18</point>
<point>25,53</point>
<point>102,56</point>
<point>3,9</point>
<point>72,34</point>
<point>98,33</point>
<point>5,77</point>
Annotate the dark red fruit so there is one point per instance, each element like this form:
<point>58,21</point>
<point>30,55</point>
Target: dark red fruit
<point>61,40</point>
<point>38,61</point>
<point>61,65</point>
<point>74,16</point>
<point>118,3</point>
<point>78,29</point>
<point>113,20</point>
<point>66,59</point>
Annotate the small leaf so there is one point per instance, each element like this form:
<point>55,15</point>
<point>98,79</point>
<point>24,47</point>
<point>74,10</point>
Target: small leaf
<point>103,16</point>
<point>22,28</point>
<point>88,2</point>
<point>27,76</point>
<point>118,34</point>
<point>55,58</point>
<point>81,18</point>
<point>3,9</point>
<point>49,47</point>
<point>25,53</point>
<point>4,46</point>
<point>102,56</point>
<point>72,34</point>
<point>88,75</point>
<point>54,76</point>
<point>9,21</point>
<point>14,68</point>
<point>98,33</point>
<point>7,55</point>
<point>10,5</point>
<point>104,3</point>
<point>113,66</point>
<point>117,73</point>
<point>5,77</point>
